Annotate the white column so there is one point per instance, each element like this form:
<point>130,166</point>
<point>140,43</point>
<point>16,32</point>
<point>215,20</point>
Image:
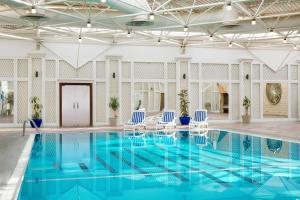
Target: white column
<point>298,62</point>
<point>109,77</point>
<point>94,92</point>
<point>242,85</point>
<point>15,92</point>
<point>179,78</point>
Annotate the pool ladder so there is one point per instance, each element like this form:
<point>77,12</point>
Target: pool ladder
<point>35,126</point>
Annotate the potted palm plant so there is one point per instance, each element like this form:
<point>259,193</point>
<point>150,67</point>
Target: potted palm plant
<point>246,105</point>
<point>36,112</point>
<point>114,105</point>
<point>183,98</point>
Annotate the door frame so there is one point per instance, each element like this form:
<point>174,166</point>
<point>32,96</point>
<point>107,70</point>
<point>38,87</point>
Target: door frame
<point>60,100</point>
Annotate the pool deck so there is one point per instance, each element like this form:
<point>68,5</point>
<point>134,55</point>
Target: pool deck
<point>12,143</point>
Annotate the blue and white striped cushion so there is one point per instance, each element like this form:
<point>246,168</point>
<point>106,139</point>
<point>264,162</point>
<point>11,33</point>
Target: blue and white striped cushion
<point>137,117</point>
<point>200,139</point>
<point>200,116</point>
<point>168,117</point>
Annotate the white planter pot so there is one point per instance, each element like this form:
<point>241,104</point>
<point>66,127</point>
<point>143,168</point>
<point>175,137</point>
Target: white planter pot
<point>113,121</point>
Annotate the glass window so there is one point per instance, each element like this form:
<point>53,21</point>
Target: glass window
<point>6,102</point>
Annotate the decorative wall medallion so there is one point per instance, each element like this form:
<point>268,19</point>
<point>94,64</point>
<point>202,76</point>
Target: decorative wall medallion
<point>274,92</point>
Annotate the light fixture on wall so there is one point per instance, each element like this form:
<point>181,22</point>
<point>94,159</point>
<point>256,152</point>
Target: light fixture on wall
<point>295,47</point>
<point>253,22</point>
<point>230,44</point>
<point>36,74</point>
<point>211,37</point>
<point>114,75</point>
<point>79,39</point>
<point>128,34</point>
<point>247,76</point>
<point>184,76</point>
<point>158,42</point>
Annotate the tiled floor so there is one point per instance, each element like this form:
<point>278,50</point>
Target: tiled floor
<point>12,143</point>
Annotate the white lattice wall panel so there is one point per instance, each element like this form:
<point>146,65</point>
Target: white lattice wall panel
<point>235,72</point>
<point>147,70</point>
<point>66,70</point>
<point>269,74</point>
<point>6,67</point>
<point>126,70</point>
<point>294,100</point>
<point>86,71</point>
<point>235,96</point>
<point>37,81</point>
<point>171,70</point>
<point>22,101</point>
<point>171,96</point>
<point>100,102</point>
<point>194,71</point>
<point>50,69</point>
<point>126,102</point>
<point>194,97</point>
<point>100,70</point>
<point>50,102</point>
<point>294,72</point>
<point>22,65</point>
<point>255,101</point>
<point>212,71</point>
<point>255,72</point>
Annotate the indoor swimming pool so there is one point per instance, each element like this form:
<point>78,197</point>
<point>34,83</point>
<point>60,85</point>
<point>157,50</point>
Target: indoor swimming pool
<point>111,165</point>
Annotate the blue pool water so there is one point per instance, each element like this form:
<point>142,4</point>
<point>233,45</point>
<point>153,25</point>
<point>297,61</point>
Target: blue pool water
<point>220,165</point>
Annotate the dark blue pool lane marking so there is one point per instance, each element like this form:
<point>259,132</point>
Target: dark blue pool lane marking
<point>119,157</point>
<point>234,163</point>
<point>247,179</point>
<point>174,173</point>
<point>83,167</point>
<point>223,183</point>
<point>106,165</point>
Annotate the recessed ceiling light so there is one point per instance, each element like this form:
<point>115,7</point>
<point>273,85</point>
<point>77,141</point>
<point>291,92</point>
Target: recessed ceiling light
<point>185,29</point>
<point>88,24</point>
<point>151,16</point>
<point>253,22</point>
<point>284,40</point>
<point>33,10</point>
<point>295,47</point>
<point>229,6</point>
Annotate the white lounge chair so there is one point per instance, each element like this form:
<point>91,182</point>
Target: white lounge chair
<point>136,121</point>
<point>167,120</point>
<point>200,120</point>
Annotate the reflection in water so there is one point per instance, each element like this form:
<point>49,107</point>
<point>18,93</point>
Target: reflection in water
<point>274,145</point>
<point>214,165</point>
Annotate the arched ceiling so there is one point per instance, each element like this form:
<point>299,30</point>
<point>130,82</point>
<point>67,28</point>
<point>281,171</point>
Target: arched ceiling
<point>209,22</point>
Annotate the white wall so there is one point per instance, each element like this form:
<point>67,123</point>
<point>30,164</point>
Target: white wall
<point>95,64</point>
